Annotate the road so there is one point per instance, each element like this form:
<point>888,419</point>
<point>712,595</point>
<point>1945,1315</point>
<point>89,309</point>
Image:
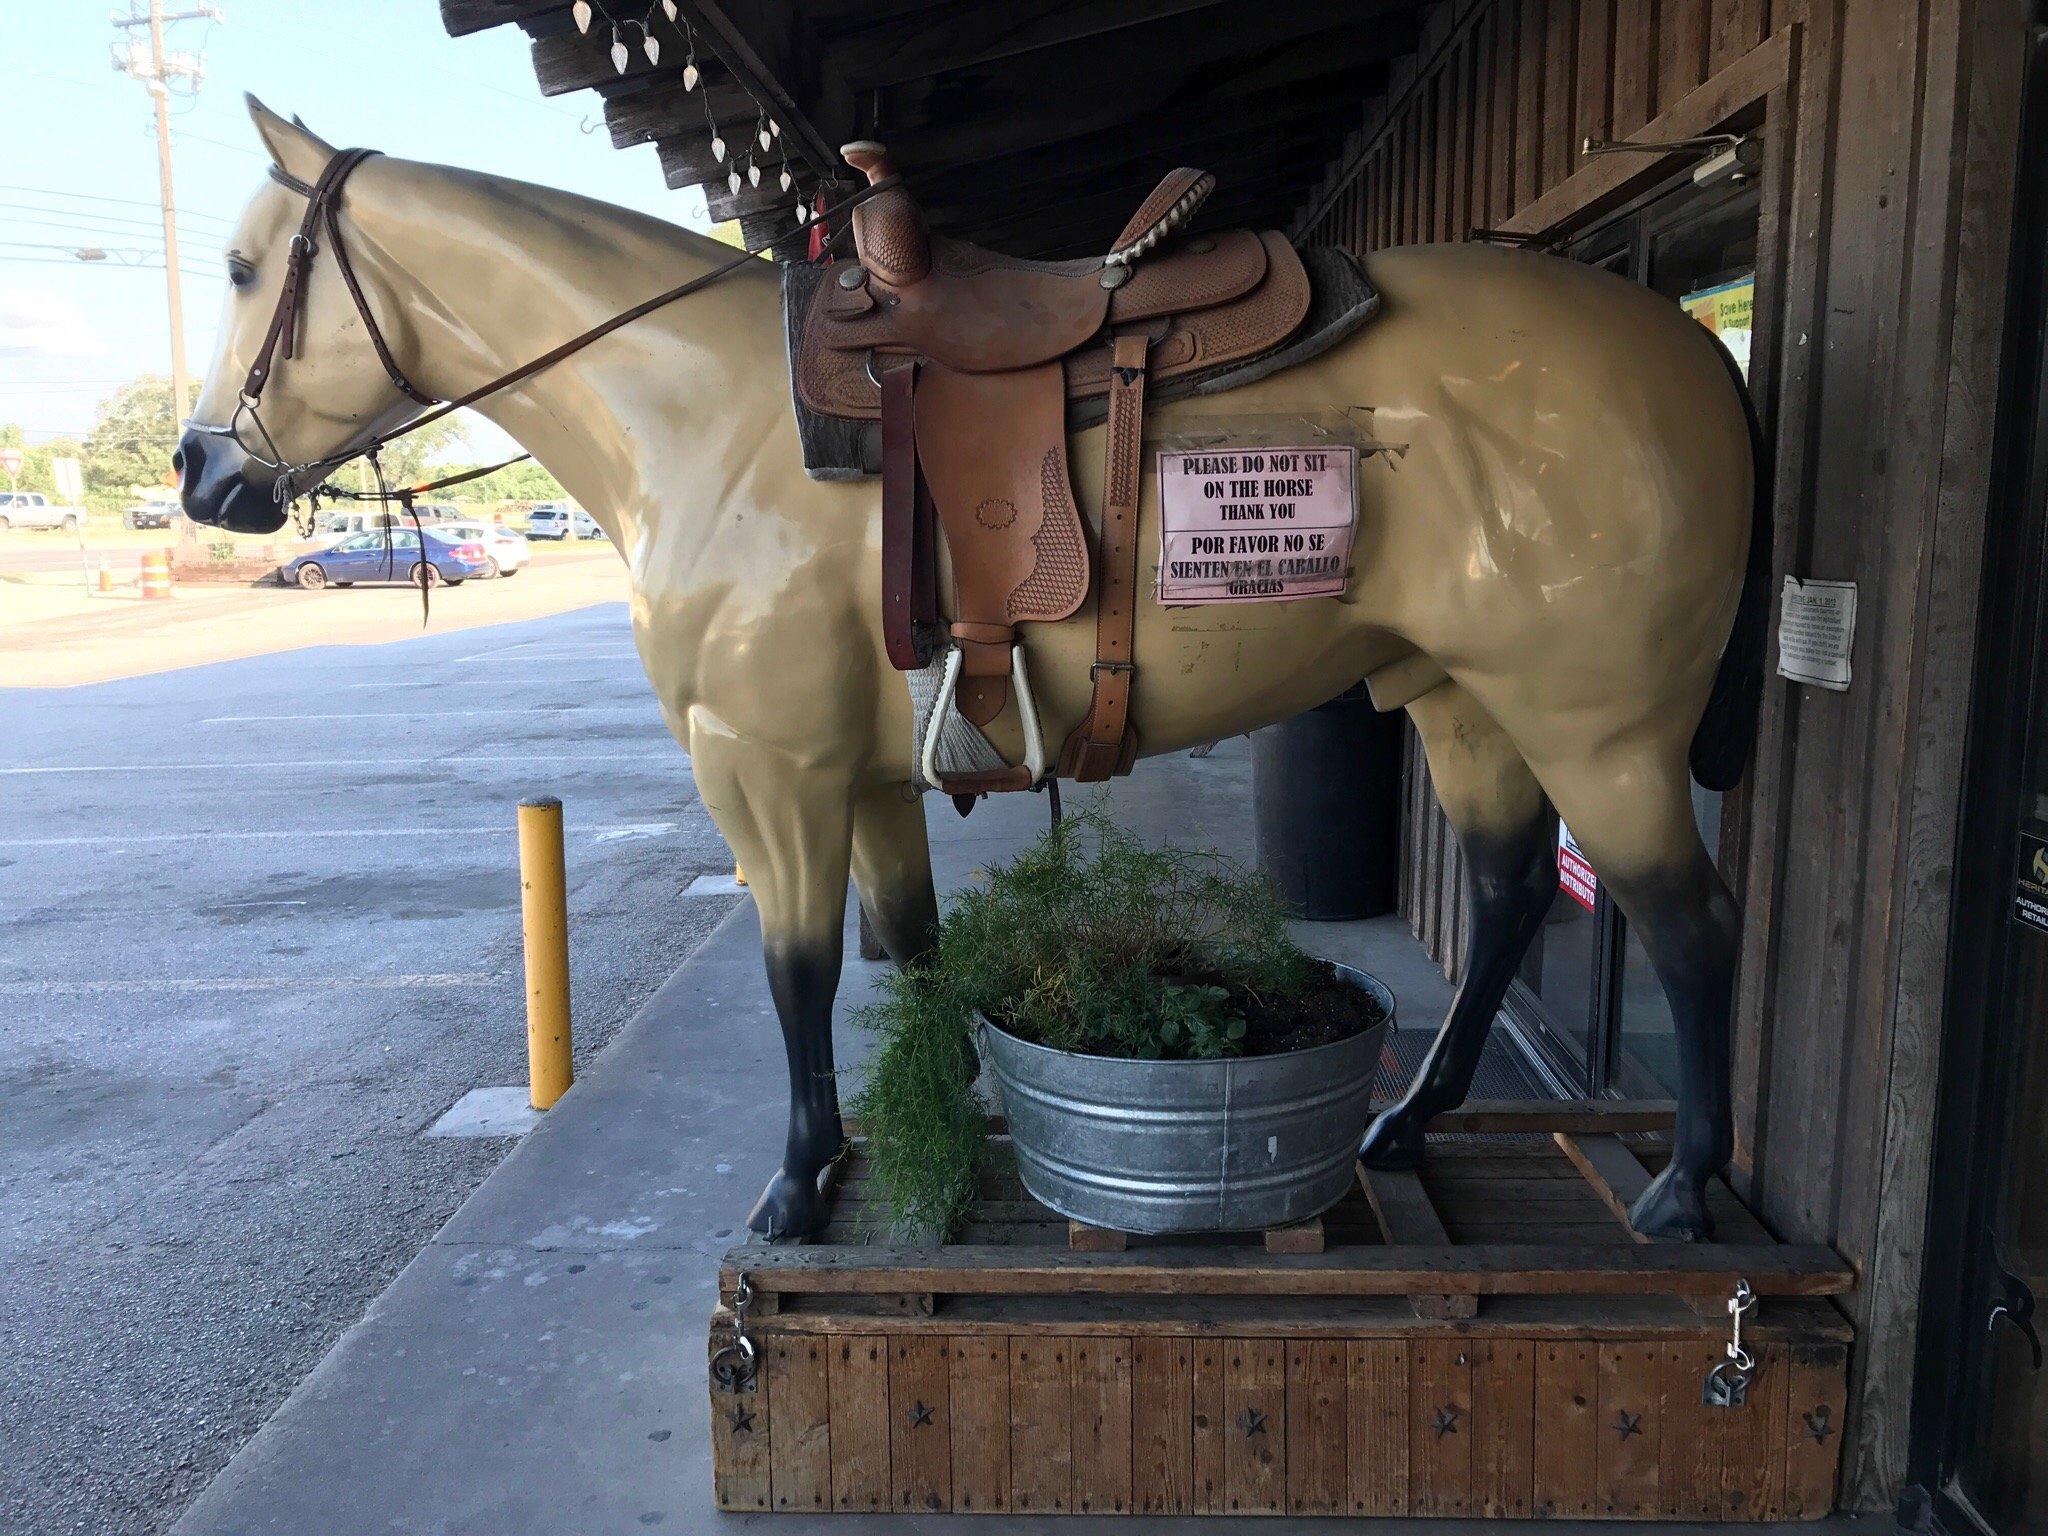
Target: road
<point>258,929</point>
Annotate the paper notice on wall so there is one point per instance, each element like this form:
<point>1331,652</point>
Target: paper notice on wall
<point>1816,632</point>
<point>1574,874</point>
<point>1256,524</point>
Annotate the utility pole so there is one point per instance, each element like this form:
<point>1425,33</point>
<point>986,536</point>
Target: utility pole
<point>156,69</point>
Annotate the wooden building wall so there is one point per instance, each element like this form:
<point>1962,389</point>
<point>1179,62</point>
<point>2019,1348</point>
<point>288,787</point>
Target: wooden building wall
<point>1889,128</point>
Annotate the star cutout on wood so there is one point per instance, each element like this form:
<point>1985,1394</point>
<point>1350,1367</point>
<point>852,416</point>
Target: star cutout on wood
<point>1817,1424</point>
<point>1626,1423</point>
<point>1252,1422</point>
<point>1446,1421</point>
<point>742,1421</point>
<point>920,1413</point>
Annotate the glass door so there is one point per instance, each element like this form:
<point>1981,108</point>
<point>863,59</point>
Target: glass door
<point>1979,1450</point>
<point>1586,1001</point>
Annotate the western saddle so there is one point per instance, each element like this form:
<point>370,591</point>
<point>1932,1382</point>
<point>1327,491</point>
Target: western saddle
<point>973,362</point>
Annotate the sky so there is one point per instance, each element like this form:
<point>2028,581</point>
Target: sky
<point>78,165</point>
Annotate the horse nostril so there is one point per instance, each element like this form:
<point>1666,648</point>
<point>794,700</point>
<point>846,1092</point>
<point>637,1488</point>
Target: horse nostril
<point>178,459</point>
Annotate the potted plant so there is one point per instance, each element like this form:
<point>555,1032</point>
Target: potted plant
<point>1168,1059</point>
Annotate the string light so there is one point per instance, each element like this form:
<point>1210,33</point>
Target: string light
<point>767,130</point>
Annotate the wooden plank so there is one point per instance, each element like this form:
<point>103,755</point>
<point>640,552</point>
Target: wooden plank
<point>1733,28</point>
<point>1565,1483</point>
<point>1162,1426</point>
<point>1481,210</point>
<point>858,1383</point>
<point>1707,1269</point>
<point>1681,47</point>
<point>1615,1173</point>
<point>1816,1394</point>
<point>1406,1216</point>
<point>1377,1410</point>
<point>1529,114</point>
<point>1041,1426</point>
<point>1318,1409</point>
<point>1255,1426</point>
<point>1635,66</point>
<point>1210,1427</point>
<point>1303,1237</point>
<point>920,1424</point>
<point>740,1464</point>
<point>1500,91</point>
<point>1752,1447</point>
<point>1503,1428</point>
<point>1082,1238</point>
<point>1550,1116</point>
<point>1560,80</point>
<point>1440,1428</point>
<point>800,1422</point>
<point>1102,1426</point>
<point>1627,1430</point>
<point>980,1403</point>
<point>1691,1463</point>
<point>1592,98</point>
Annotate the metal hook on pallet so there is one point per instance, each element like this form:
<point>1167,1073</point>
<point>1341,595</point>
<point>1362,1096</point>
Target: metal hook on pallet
<point>732,1368</point>
<point>1727,1384</point>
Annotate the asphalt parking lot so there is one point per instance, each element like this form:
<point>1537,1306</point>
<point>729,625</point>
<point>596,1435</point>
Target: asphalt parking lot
<point>258,930</point>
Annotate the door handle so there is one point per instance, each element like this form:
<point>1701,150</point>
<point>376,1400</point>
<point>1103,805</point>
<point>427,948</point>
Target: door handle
<point>2012,1300</point>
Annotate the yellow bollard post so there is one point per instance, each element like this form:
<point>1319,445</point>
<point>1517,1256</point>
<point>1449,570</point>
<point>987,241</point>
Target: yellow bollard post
<point>544,907</point>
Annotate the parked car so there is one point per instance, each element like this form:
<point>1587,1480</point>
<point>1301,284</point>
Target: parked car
<point>32,509</point>
<point>505,552</point>
<point>385,555</point>
<point>150,514</point>
<point>561,520</point>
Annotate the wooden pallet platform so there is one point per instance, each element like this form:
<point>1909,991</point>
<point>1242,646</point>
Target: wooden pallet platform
<point>1483,1338</point>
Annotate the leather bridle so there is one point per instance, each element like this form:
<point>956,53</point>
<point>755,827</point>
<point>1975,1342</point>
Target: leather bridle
<point>323,198</point>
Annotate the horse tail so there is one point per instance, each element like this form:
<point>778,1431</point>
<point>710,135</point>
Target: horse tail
<point>1727,728</point>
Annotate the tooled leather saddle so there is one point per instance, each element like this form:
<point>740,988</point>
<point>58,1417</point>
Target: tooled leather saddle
<point>976,365</point>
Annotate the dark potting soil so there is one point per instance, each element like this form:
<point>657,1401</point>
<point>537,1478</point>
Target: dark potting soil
<point>1329,1010</point>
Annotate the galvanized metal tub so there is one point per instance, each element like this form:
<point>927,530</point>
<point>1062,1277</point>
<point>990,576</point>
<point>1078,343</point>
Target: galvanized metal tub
<point>1189,1146</point>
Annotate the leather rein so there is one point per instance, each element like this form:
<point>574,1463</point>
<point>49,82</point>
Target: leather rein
<point>323,203</point>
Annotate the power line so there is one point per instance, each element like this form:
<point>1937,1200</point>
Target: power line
<point>91,223</point>
<point>130,202</point>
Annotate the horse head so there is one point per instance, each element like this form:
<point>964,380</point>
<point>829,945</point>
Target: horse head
<point>326,390</point>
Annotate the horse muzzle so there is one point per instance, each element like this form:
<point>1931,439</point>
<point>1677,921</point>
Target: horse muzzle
<point>220,485</point>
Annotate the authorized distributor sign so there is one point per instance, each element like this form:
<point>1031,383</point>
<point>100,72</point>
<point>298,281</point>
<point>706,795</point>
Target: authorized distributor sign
<point>1256,524</point>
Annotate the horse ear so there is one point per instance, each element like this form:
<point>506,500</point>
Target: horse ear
<point>294,148</point>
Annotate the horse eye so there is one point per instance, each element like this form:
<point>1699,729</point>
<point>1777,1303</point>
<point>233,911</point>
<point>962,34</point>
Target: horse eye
<point>240,272</point>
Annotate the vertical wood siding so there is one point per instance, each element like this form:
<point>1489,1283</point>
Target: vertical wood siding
<point>1890,147</point>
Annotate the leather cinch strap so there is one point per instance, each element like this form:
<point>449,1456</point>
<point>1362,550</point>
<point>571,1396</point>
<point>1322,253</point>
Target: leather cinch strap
<point>1104,743</point>
<point>910,602</point>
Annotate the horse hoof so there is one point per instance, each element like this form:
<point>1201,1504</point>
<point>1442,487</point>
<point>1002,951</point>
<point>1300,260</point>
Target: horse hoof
<point>1673,1207</point>
<point>790,1209</point>
<point>1393,1142</point>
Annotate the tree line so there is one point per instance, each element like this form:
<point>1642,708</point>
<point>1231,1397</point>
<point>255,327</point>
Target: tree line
<point>128,452</point>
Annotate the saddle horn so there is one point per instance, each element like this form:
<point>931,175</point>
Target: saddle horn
<point>888,229</point>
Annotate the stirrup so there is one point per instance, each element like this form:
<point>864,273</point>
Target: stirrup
<point>1027,711</point>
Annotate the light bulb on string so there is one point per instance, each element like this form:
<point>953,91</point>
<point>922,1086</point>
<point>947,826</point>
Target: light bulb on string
<point>581,11</point>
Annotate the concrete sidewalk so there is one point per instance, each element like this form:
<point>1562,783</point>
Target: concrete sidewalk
<point>540,1367</point>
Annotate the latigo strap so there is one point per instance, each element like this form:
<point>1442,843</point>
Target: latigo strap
<point>1104,743</point>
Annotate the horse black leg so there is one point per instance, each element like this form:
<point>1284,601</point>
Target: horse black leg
<point>1690,928</point>
<point>1511,881</point>
<point>1508,834</point>
<point>803,978</point>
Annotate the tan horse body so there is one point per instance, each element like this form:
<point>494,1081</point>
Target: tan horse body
<point>1548,558</point>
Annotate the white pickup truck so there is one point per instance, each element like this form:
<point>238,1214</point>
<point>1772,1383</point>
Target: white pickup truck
<point>32,509</point>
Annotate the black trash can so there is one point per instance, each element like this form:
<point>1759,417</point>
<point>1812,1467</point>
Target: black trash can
<point>1326,789</point>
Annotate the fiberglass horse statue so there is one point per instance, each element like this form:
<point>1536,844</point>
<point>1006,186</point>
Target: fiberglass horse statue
<point>1551,549</point>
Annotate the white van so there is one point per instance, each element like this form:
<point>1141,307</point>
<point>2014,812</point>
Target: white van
<point>561,520</point>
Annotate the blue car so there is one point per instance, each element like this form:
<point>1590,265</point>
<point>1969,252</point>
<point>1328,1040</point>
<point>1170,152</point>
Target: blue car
<point>392,555</point>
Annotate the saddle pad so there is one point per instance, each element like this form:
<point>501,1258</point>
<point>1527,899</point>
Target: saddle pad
<point>1192,355</point>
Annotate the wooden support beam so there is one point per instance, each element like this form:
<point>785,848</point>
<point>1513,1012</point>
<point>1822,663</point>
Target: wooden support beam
<point>1082,1238</point>
<point>1408,1218</point>
<point>460,18</point>
<point>1303,1237</point>
<point>891,49</point>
